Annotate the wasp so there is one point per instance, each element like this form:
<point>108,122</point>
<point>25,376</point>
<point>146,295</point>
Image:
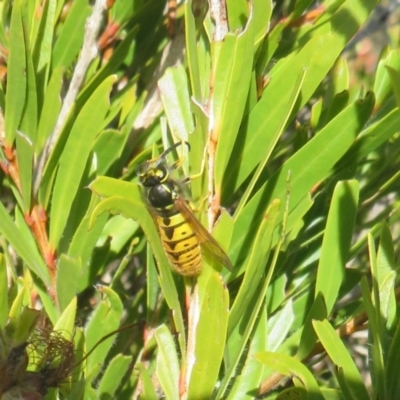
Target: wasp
<point>183,237</point>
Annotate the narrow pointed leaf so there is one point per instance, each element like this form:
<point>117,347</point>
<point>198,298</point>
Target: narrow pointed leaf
<point>73,162</point>
<point>105,319</point>
<point>16,78</point>
<point>210,335</point>
<point>309,165</point>
<point>336,242</point>
<point>167,369</point>
<point>23,248</point>
<point>341,357</point>
<point>290,366</point>
<point>111,380</point>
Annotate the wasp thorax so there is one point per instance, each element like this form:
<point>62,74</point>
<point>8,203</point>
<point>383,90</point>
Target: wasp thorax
<point>162,195</point>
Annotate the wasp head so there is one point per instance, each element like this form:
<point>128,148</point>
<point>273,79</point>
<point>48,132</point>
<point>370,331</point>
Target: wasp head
<point>152,174</point>
<point>155,172</point>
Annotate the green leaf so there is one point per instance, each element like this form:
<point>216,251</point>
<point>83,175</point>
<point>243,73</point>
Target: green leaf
<point>268,48</point>
<point>254,266</point>
<point>290,366</point>
<point>294,393</point>
<point>82,245</point>
<point>3,293</point>
<point>337,104</point>
<point>108,148</point>
<point>382,84</point>
<point>336,242</point>
<point>342,359</point>
<point>371,138</point>
<point>167,369</point>
<point>192,50</point>
<point>77,376</point>
<point>2,97</point>
<point>153,286</point>
<point>15,310</point>
<point>118,231</point>
<point>174,94</point>
<point>391,369</point>
<point>75,157</point>
<point>70,39</point>
<point>23,247</point>
<point>276,129</point>
<point>210,304</point>
<point>371,304</point>
<point>44,42</point>
<point>312,163</point>
<point>386,278</point>
<point>26,138</point>
<point>148,391</point>
<point>16,77</point>
<point>280,324</point>
<point>131,205</point>
<point>300,7</point>
<point>333,32</point>
<point>332,394</point>
<point>308,338</point>
<point>111,380</point>
<point>66,322</point>
<point>48,303</point>
<point>24,323</point>
<point>105,319</point>
<point>237,13</point>
<point>394,78</point>
<point>126,199</point>
<point>68,270</point>
<point>51,108</point>
<point>231,74</point>
<point>248,305</point>
<point>251,373</point>
<point>262,11</point>
<point>111,66</point>
<point>316,111</point>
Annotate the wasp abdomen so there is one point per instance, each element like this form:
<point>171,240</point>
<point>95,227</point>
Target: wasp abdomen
<point>180,243</point>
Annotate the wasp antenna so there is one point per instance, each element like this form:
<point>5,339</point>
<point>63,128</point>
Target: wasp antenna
<point>176,145</point>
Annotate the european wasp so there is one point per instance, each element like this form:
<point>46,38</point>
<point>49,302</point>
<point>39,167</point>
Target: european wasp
<point>183,237</point>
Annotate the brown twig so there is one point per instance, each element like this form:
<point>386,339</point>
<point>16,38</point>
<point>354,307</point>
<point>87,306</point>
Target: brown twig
<point>218,14</point>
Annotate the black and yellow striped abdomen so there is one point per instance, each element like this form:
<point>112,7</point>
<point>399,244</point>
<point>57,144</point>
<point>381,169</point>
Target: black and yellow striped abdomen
<point>180,243</point>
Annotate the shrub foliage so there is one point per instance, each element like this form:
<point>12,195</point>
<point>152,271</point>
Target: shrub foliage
<point>294,140</point>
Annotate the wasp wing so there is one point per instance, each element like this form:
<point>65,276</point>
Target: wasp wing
<point>208,243</point>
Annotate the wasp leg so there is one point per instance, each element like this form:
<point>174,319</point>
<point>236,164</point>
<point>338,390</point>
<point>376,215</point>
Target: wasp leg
<point>199,204</point>
<point>180,160</point>
<point>177,163</point>
<point>198,174</point>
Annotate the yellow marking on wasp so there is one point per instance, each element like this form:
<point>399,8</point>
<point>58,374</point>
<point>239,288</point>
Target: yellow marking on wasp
<point>180,244</point>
